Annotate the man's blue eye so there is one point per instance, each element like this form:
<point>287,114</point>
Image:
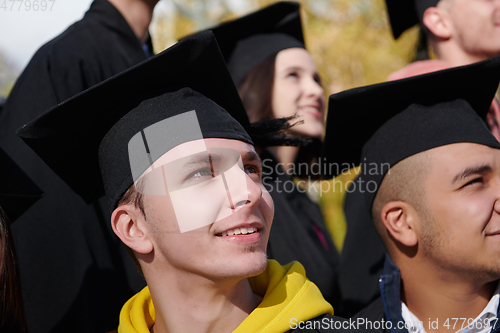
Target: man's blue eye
<point>205,172</point>
<point>251,170</point>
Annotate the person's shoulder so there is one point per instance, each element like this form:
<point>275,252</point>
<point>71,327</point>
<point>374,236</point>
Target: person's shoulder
<point>372,316</point>
<point>69,44</point>
<point>373,311</point>
<point>330,324</point>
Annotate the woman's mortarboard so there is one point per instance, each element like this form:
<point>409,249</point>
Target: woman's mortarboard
<point>88,135</point>
<point>17,190</point>
<point>405,117</point>
<point>251,39</point>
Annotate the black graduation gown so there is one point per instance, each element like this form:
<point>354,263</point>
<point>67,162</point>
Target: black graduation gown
<point>373,313</point>
<point>75,274</point>
<point>361,260</point>
<point>293,236</point>
<point>2,104</point>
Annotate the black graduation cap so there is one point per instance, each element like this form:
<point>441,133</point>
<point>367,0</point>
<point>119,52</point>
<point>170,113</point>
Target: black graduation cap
<point>404,14</point>
<point>88,135</point>
<point>17,190</point>
<point>405,117</point>
<point>251,39</point>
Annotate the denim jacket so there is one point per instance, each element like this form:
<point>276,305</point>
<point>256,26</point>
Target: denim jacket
<point>390,292</point>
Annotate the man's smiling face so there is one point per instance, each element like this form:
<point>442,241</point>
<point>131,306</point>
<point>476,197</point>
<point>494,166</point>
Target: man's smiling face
<point>218,192</point>
<point>461,232</point>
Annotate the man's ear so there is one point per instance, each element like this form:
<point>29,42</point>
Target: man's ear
<point>128,224</point>
<point>399,219</point>
<point>438,22</point>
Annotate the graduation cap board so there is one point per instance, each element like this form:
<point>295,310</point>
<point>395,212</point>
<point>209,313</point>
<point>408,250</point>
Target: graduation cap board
<point>404,14</point>
<point>122,128</point>
<point>251,39</point>
<point>405,117</point>
<point>17,190</point>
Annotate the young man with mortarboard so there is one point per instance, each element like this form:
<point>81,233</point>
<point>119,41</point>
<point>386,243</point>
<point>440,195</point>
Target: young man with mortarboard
<point>184,185</point>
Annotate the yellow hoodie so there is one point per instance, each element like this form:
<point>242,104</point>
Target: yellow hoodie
<point>287,295</point>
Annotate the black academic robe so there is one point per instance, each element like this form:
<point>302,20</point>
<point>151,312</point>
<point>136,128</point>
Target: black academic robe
<point>2,104</point>
<point>293,235</point>
<point>75,274</point>
<point>361,260</point>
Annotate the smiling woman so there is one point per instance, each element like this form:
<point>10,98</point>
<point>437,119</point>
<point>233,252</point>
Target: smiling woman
<point>297,91</point>
<point>286,84</point>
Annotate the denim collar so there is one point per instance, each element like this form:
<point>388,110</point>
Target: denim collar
<point>390,292</point>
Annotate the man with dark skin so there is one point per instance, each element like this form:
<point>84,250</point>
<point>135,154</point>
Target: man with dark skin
<point>459,32</point>
<point>436,204</point>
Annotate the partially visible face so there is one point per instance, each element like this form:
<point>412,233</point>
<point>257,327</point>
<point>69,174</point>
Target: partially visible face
<point>233,241</point>
<point>461,231</point>
<point>476,24</point>
<point>297,90</point>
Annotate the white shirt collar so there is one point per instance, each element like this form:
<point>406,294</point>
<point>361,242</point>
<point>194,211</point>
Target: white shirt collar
<point>414,325</point>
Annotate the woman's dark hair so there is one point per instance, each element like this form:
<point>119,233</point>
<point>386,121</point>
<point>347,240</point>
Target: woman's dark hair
<point>12,316</point>
<point>256,91</point>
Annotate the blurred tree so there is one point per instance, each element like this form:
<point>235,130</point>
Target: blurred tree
<point>8,74</point>
<point>350,40</point>
<point>174,19</point>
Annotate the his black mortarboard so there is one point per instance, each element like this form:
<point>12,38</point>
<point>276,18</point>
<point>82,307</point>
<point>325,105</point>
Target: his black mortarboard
<point>17,190</point>
<point>251,39</point>
<point>404,14</point>
<point>90,134</point>
<point>405,117</point>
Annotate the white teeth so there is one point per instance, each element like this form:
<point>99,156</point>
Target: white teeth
<point>238,231</point>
